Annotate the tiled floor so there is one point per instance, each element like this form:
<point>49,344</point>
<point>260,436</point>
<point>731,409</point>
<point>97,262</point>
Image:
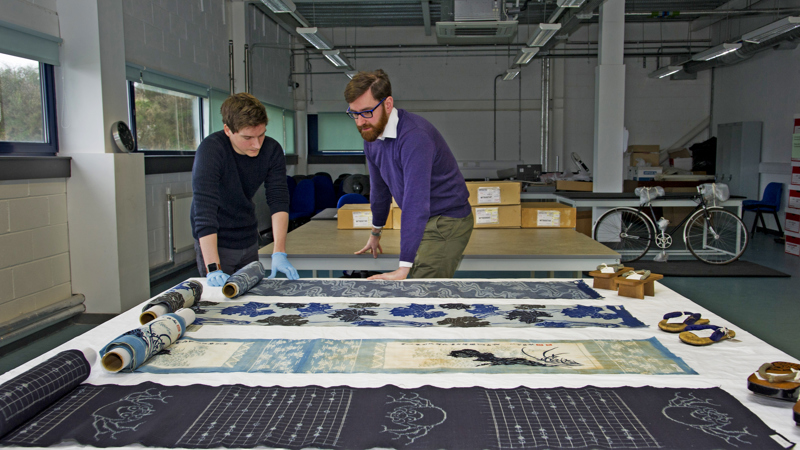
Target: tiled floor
<point>764,306</point>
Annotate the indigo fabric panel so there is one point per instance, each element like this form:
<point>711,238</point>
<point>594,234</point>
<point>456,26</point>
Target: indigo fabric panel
<point>243,280</point>
<point>144,342</point>
<point>183,295</point>
<point>476,418</point>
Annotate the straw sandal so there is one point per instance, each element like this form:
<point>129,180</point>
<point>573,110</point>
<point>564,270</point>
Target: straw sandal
<point>644,274</point>
<point>677,327</point>
<point>719,334</point>
<point>779,380</point>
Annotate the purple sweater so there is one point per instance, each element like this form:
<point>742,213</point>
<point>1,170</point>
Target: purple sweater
<point>422,174</point>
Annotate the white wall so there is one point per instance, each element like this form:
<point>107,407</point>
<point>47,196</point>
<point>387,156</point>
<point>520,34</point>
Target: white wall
<point>34,270</point>
<point>455,92</point>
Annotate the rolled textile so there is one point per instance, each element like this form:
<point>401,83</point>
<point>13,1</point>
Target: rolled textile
<point>183,295</point>
<point>130,350</point>
<point>24,396</point>
<point>243,280</point>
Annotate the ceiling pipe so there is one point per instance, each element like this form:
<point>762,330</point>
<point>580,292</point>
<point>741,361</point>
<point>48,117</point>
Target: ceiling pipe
<point>746,52</point>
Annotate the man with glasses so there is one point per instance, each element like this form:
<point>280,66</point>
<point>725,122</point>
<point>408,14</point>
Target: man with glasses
<point>410,160</point>
<point>229,167</point>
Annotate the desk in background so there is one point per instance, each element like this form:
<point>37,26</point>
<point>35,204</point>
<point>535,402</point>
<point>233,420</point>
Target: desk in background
<point>319,245</point>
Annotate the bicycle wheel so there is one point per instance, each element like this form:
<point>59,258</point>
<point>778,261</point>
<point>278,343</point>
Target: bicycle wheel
<point>626,231</point>
<point>721,239</point>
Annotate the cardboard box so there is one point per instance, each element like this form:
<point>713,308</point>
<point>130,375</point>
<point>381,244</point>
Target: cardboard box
<point>358,217</point>
<point>650,159</point>
<point>494,192</point>
<point>396,213</point>
<point>583,222</point>
<point>645,173</point>
<point>682,153</point>
<point>793,223</point>
<point>581,186</point>
<point>792,245</point>
<point>643,149</point>
<point>505,216</point>
<point>547,215</point>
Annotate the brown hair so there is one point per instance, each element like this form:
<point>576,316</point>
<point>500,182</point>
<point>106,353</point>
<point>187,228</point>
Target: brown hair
<point>377,82</point>
<point>243,110</point>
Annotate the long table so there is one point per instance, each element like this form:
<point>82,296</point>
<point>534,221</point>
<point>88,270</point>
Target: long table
<point>319,245</point>
<point>726,364</point>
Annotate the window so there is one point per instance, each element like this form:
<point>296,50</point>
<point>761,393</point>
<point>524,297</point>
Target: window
<point>27,107</point>
<point>166,121</point>
<point>333,134</point>
<point>280,127</point>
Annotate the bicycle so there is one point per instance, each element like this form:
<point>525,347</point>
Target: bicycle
<point>712,234</point>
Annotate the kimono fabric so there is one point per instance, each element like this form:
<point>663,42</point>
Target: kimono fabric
<point>184,295</point>
<point>190,355</point>
<point>459,315</point>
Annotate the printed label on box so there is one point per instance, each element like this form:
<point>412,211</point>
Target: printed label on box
<point>489,194</point>
<point>792,248</point>
<point>548,218</point>
<point>796,147</point>
<point>487,216</point>
<point>362,219</point>
<point>794,202</point>
<point>796,175</point>
<point>792,225</point>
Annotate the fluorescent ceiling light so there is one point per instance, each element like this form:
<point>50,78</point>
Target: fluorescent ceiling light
<point>316,39</point>
<point>716,52</point>
<point>280,6</point>
<point>337,58</point>
<point>525,55</point>
<point>772,30</point>
<point>542,33</point>
<point>351,73</point>
<point>665,71</point>
<point>510,74</point>
<point>570,3</point>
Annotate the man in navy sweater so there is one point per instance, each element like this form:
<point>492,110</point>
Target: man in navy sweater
<point>410,160</point>
<point>229,166</point>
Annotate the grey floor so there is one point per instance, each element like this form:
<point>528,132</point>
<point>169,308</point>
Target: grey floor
<point>766,307</point>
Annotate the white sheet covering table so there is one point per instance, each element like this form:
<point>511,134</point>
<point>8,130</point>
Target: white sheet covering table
<point>726,364</point>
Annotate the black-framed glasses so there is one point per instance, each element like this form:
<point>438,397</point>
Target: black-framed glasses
<point>365,114</point>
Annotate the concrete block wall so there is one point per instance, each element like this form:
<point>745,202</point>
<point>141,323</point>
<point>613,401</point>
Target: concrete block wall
<point>186,38</point>
<point>269,66</point>
<point>35,268</point>
<point>158,186</point>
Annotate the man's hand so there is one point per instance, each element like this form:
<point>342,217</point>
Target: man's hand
<point>217,278</point>
<point>399,274</point>
<point>373,246</point>
<point>281,264</point>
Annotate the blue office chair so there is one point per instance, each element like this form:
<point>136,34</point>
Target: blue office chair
<point>292,185</point>
<point>324,194</point>
<point>347,199</point>
<point>770,203</point>
<point>301,207</point>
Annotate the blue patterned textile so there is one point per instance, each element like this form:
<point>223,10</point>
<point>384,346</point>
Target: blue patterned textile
<point>413,315</point>
<point>190,355</point>
<point>184,295</point>
<point>146,341</point>
<point>243,280</point>
<point>538,290</point>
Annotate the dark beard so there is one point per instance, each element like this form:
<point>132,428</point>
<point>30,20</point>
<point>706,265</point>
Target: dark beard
<point>377,129</point>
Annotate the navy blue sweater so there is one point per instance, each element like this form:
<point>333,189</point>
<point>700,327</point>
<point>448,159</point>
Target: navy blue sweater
<point>224,183</point>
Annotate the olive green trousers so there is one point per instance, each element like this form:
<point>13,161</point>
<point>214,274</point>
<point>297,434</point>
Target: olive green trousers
<point>442,247</point>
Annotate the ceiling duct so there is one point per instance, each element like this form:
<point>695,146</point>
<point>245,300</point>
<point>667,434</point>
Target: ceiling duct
<point>474,22</point>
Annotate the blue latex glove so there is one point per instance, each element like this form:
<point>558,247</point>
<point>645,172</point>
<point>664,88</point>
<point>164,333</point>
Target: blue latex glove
<point>217,278</point>
<point>281,264</point>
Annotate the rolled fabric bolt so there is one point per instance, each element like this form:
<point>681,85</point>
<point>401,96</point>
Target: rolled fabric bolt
<point>132,349</point>
<point>24,396</point>
<point>243,280</point>
<point>90,354</point>
<point>184,295</point>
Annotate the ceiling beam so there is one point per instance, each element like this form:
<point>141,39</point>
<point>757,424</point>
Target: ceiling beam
<point>426,16</point>
<point>705,22</point>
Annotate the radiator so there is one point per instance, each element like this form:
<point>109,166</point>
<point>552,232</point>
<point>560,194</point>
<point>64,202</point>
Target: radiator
<point>181,205</point>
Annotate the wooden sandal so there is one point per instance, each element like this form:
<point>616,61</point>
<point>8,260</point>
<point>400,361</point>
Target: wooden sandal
<point>719,334</point>
<point>643,274</point>
<point>677,327</point>
<point>779,380</point>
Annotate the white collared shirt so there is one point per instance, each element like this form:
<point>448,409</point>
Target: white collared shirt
<point>391,126</point>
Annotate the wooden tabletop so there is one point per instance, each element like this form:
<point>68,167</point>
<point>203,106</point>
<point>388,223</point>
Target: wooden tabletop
<point>322,238</point>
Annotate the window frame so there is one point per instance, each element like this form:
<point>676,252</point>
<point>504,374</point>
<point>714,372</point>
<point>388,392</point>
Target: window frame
<point>132,120</point>
<point>312,124</point>
<point>49,117</point>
